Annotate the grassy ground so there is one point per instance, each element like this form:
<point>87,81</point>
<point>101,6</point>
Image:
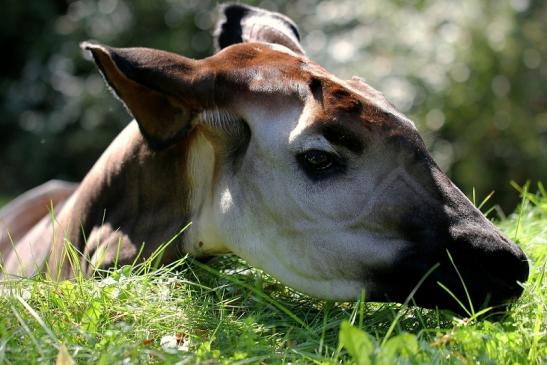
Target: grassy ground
<point>229,313</point>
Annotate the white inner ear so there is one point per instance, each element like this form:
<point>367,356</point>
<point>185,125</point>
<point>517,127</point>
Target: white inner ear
<point>203,235</point>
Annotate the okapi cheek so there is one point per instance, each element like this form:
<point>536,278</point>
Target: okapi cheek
<point>394,195</point>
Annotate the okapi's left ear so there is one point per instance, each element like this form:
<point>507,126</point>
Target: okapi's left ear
<point>162,90</point>
<point>243,23</point>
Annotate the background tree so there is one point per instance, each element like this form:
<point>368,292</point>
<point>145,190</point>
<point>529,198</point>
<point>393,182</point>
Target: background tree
<point>471,74</point>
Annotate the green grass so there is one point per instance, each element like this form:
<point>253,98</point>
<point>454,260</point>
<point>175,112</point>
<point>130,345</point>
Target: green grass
<point>227,312</point>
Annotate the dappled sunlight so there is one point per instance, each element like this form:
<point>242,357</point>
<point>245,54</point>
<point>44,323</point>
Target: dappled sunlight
<point>471,74</point>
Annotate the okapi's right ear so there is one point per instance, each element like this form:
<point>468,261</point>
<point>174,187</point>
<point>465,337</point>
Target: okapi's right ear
<point>243,23</point>
<point>162,90</point>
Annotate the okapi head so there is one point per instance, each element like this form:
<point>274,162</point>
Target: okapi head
<point>318,181</point>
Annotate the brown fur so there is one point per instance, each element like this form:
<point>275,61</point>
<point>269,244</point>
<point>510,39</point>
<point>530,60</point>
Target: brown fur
<point>23,213</point>
<point>138,192</point>
<point>149,183</point>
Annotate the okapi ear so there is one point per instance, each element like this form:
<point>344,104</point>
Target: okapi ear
<point>163,91</point>
<point>243,23</point>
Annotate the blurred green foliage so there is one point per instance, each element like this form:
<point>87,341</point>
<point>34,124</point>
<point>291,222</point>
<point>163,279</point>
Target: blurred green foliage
<point>471,74</point>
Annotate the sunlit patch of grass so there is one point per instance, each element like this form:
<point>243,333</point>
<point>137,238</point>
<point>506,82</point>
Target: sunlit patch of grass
<point>227,312</point>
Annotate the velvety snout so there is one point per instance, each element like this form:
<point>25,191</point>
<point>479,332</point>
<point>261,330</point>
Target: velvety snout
<point>492,267</point>
<point>475,260</point>
<point>470,257</point>
<point>490,272</point>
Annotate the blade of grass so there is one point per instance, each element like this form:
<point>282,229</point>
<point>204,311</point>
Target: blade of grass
<point>28,331</point>
<point>462,281</point>
<point>523,191</point>
<point>154,260</point>
<point>485,200</point>
<point>258,293</point>
<point>38,319</point>
<point>474,197</point>
<point>533,353</point>
<point>455,298</point>
<point>407,300</point>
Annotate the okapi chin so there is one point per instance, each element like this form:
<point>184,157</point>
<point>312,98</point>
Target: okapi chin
<point>318,181</point>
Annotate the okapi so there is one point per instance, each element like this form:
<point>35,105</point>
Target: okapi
<point>318,181</point>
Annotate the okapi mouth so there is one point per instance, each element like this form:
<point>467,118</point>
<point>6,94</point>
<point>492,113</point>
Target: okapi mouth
<point>465,277</point>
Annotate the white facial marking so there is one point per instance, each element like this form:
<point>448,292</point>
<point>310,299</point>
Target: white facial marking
<point>321,237</point>
<point>203,236</point>
<point>226,201</point>
<point>305,119</point>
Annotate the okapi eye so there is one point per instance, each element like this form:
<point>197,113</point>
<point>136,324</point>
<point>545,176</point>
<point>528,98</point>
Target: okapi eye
<point>318,160</point>
<point>318,164</point>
